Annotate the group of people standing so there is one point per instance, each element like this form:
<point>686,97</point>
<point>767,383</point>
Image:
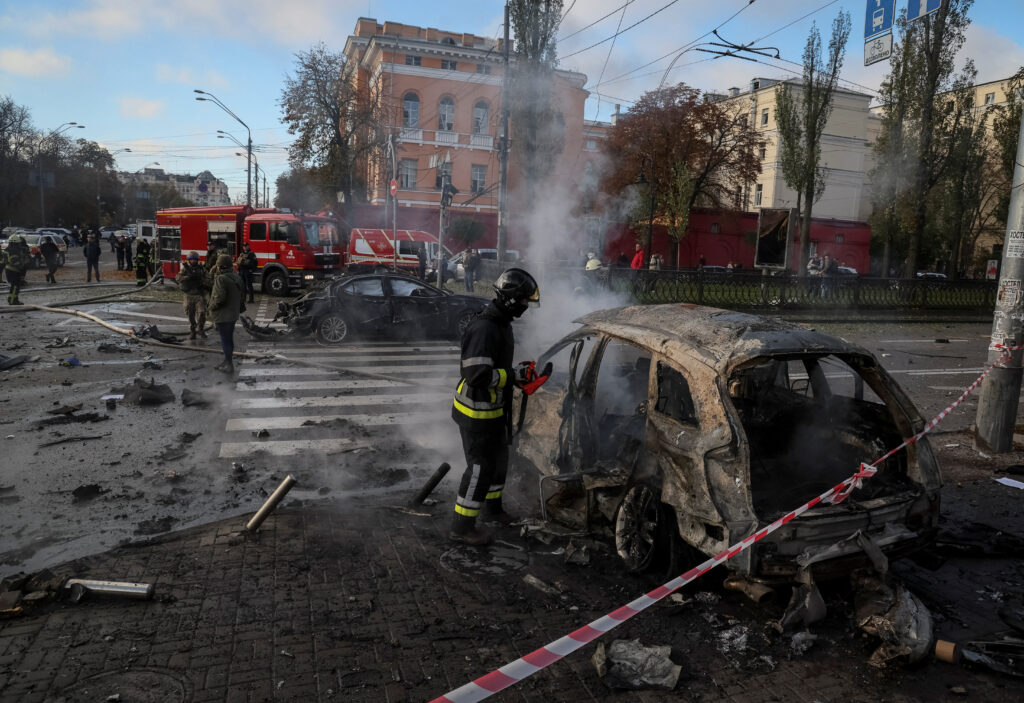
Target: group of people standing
<point>215,290</point>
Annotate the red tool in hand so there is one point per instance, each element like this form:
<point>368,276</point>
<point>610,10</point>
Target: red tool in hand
<point>527,378</point>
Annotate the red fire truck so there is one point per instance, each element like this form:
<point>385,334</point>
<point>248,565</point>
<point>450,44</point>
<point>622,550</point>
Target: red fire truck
<point>293,249</point>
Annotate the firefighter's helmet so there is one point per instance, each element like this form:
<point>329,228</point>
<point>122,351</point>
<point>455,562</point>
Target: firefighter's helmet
<point>516,289</point>
<point>593,265</point>
<point>16,239</point>
<point>193,256</point>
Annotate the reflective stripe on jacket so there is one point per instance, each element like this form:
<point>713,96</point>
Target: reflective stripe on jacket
<point>483,395</point>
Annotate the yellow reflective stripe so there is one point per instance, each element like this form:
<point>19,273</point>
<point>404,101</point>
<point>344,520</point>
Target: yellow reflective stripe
<point>502,378</point>
<point>468,512</point>
<point>478,414</point>
<point>493,395</point>
<point>493,494</point>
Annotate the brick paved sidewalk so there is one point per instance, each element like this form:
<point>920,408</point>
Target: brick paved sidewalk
<point>358,601</point>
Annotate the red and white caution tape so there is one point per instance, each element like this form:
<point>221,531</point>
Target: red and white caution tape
<point>516,671</point>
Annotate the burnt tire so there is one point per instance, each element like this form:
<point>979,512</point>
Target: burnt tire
<point>333,329</point>
<point>275,283</point>
<point>646,538</point>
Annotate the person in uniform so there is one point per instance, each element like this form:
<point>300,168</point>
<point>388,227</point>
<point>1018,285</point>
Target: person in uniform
<point>50,254</point>
<point>92,258</point>
<point>247,265</point>
<point>16,260</point>
<point>483,403</point>
<point>142,262</point>
<point>121,263</point>
<point>226,301</point>
<point>194,282</point>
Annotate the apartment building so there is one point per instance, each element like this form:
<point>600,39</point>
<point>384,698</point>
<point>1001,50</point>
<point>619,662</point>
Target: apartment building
<point>204,189</point>
<point>845,149</point>
<point>444,92</point>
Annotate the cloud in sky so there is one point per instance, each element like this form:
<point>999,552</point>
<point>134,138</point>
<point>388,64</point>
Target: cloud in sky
<point>186,76</point>
<point>41,63</point>
<point>140,107</point>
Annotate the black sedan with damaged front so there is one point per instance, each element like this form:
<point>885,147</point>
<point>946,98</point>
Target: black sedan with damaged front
<point>379,305</point>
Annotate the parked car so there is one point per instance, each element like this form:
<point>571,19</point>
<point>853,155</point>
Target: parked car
<point>34,239</point>
<point>456,264</point>
<point>931,275</point>
<point>379,304</point>
<point>685,429</point>
<point>846,271</point>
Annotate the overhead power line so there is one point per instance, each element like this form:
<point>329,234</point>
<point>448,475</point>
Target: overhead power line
<point>623,31</point>
<point>599,19</point>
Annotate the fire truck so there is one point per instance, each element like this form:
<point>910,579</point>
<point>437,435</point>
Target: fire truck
<point>293,249</point>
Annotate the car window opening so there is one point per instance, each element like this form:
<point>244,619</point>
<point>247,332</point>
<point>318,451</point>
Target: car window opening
<point>810,422</point>
<point>620,403</point>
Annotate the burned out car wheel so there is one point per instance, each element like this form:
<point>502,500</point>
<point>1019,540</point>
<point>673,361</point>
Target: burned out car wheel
<point>332,329</point>
<point>640,528</point>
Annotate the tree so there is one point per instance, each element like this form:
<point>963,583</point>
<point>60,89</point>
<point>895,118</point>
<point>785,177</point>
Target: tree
<point>691,149</point>
<point>919,101</point>
<point>538,128</point>
<point>16,133</point>
<point>466,230</point>
<point>336,123</point>
<point>1005,131</point>
<point>802,119</point>
<point>305,189</point>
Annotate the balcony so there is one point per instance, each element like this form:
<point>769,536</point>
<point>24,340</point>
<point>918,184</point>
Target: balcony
<point>481,141</point>
<point>411,134</point>
<point>448,138</point>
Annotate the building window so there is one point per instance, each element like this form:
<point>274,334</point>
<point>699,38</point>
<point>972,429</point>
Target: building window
<point>443,170</point>
<point>411,110</point>
<point>764,117</point>
<point>479,179</point>
<point>758,191</point>
<point>762,152</point>
<point>990,98</point>
<point>590,145</point>
<point>716,228</point>
<point>839,237</point>
<point>739,196</point>
<point>412,60</point>
<point>448,65</point>
<point>407,174</point>
<point>755,85</point>
<point>481,118</point>
<point>446,115</point>
<point>483,68</point>
<point>743,121</point>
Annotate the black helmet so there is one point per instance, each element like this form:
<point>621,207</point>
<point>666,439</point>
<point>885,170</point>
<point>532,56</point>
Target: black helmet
<point>515,289</point>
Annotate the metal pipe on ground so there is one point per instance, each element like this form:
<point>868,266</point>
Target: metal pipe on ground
<point>268,507</point>
<point>431,484</point>
<point>79,587</point>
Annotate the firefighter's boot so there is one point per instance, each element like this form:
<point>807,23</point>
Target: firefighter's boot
<point>465,530</point>
<point>202,325</point>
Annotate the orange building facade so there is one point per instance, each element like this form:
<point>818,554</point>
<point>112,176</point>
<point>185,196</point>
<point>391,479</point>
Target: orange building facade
<point>444,94</point>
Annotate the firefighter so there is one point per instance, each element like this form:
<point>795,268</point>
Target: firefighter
<point>143,257</point>
<point>194,282</point>
<point>16,261</point>
<point>483,404</point>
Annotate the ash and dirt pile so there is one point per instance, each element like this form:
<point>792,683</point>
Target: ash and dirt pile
<point>142,392</point>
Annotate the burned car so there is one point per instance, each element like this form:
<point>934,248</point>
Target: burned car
<point>685,429</point>
<point>379,304</point>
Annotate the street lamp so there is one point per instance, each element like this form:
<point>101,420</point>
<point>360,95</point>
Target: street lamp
<point>39,166</point>
<point>99,213</point>
<point>256,163</point>
<point>210,97</point>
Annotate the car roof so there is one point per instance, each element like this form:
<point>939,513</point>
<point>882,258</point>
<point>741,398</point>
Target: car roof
<point>718,338</point>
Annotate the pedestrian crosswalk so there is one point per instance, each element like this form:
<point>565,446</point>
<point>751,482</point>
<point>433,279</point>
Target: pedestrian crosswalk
<point>283,410</point>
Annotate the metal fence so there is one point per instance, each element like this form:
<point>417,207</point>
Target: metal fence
<point>752,290</point>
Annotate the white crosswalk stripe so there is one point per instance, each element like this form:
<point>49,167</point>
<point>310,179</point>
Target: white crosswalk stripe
<point>299,404</point>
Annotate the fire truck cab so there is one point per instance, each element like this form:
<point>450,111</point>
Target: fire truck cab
<point>293,249</point>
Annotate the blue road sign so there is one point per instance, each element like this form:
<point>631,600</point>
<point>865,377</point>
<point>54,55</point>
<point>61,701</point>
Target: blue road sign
<point>916,9</point>
<point>879,17</point>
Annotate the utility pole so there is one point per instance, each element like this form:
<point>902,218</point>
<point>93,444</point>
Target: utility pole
<point>1000,391</point>
<point>448,191</point>
<point>503,154</point>
<point>394,199</point>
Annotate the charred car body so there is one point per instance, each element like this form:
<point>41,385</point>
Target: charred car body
<point>379,304</point>
<point>688,428</point>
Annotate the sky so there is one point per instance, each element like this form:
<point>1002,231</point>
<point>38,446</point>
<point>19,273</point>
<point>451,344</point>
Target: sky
<point>126,69</point>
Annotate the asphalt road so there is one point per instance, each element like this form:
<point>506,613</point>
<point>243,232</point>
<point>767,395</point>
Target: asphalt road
<point>134,471</point>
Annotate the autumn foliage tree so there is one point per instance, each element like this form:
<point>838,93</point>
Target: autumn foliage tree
<point>693,151</point>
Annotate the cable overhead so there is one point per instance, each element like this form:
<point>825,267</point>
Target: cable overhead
<point>623,31</point>
<point>606,58</point>
<point>599,19</point>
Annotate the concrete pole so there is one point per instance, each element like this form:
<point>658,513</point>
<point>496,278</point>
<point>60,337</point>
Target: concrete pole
<point>1000,391</point>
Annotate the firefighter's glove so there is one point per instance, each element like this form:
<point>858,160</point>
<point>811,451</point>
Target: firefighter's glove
<point>527,377</point>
